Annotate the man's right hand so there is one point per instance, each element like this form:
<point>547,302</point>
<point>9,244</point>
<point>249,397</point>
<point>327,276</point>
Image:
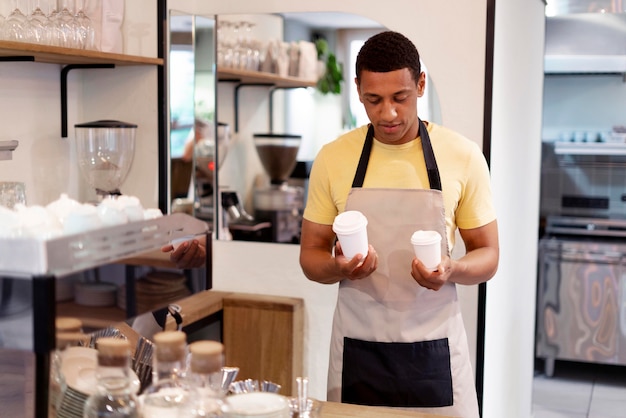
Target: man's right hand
<point>357,267</point>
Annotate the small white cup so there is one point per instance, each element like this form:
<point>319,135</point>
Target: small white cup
<point>152,213</point>
<point>351,229</point>
<point>132,207</point>
<point>83,218</point>
<point>111,212</point>
<point>176,242</point>
<point>427,247</point>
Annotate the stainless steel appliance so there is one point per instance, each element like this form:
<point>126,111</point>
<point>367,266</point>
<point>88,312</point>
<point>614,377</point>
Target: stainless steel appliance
<point>581,295</point>
<point>280,203</point>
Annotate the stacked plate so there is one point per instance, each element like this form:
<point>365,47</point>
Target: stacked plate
<point>155,290</point>
<point>95,294</point>
<point>78,367</point>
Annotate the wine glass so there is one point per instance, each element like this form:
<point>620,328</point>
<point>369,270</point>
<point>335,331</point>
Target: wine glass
<point>16,26</point>
<point>86,34</point>
<point>39,25</point>
<point>65,26</point>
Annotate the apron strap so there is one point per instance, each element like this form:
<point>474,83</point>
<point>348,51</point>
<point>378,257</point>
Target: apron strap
<point>359,176</point>
<point>429,157</point>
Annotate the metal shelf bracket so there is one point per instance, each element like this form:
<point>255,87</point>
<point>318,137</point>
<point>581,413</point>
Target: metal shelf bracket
<point>64,73</point>
<point>237,88</point>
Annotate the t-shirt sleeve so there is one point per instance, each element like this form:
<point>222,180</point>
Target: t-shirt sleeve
<point>320,207</point>
<point>476,205</point>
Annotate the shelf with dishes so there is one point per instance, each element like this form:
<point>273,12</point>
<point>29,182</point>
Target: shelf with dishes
<point>22,51</point>
<point>590,148</point>
<point>260,77</point>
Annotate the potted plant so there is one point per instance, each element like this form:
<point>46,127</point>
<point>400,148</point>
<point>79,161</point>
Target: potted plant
<point>330,80</point>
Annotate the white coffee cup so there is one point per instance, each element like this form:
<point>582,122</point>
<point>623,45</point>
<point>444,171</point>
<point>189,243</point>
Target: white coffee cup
<point>82,218</point>
<point>351,229</point>
<point>427,247</point>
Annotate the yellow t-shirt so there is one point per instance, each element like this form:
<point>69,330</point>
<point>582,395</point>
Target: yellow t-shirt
<point>465,180</point>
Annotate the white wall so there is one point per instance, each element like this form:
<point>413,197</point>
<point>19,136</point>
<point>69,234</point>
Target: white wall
<point>515,159</point>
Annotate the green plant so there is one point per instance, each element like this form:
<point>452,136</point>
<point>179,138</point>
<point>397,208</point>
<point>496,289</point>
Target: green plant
<point>330,82</point>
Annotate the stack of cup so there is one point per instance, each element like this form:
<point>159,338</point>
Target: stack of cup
<point>427,247</point>
<point>351,229</point>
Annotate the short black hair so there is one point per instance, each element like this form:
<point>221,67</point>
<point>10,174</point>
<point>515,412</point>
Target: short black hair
<point>388,51</point>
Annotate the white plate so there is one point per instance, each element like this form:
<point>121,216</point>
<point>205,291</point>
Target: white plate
<point>257,405</point>
<point>78,366</point>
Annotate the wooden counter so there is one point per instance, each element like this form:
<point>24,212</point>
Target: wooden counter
<point>343,410</point>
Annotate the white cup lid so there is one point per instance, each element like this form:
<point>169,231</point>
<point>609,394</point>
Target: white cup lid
<point>421,237</point>
<point>349,222</point>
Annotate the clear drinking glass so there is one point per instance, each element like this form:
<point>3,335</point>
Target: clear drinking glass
<point>86,34</point>
<point>16,26</point>
<point>40,30</point>
<point>12,193</point>
<point>65,26</point>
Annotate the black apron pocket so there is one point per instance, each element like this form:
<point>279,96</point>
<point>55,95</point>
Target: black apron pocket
<point>409,375</point>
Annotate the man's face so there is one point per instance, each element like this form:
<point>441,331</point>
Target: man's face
<point>390,101</point>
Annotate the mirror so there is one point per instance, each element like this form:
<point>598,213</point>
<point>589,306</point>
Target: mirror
<point>238,84</point>
<point>279,117</point>
<point>191,85</point>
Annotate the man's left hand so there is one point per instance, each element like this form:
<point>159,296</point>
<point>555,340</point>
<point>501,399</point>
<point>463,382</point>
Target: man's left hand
<point>432,280</point>
<point>189,254</point>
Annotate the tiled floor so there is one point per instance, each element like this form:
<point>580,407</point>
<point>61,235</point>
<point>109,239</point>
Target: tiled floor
<point>578,390</point>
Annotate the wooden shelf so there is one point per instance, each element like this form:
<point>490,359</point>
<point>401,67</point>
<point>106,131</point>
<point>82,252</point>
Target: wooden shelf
<point>590,148</point>
<point>258,77</point>
<point>92,317</point>
<point>60,55</point>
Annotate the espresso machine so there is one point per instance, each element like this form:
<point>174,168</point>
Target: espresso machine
<point>279,203</point>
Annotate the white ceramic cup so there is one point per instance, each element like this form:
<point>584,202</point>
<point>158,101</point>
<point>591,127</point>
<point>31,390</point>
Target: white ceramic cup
<point>82,218</point>
<point>351,230</point>
<point>176,242</point>
<point>427,247</point>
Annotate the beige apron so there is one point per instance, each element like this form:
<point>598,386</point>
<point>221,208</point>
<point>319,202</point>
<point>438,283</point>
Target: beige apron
<point>395,343</point>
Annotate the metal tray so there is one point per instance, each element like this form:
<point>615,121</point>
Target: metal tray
<point>24,257</point>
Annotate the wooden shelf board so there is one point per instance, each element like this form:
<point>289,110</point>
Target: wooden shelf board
<point>92,316</point>
<point>60,55</point>
<point>248,77</point>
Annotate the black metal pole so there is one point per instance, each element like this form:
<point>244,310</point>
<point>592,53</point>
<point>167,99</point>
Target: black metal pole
<point>44,314</point>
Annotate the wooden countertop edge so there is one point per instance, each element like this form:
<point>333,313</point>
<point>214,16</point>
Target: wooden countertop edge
<point>198,306</point>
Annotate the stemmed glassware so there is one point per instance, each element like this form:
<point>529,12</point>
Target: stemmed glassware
<point>86,36</point>
<point>39,25</point>
<point>16,25</point>
<point>65,27</point>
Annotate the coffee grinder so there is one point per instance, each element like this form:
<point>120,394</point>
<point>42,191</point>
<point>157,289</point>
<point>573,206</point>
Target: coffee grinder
<point>279,203</point>
<point>105,150</point>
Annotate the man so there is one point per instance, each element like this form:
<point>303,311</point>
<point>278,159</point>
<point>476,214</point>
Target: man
<point>398,338</point>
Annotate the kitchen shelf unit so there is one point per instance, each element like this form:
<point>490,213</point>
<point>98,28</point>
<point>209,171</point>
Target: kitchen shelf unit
<point>72,58</point>
<point>22,51</point>
<point>260,77</point>
<point>246,78</point>
<point>590,154</point>
<point>590,148</point>
<point>40,262</point>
